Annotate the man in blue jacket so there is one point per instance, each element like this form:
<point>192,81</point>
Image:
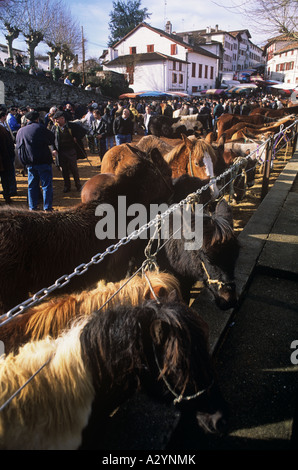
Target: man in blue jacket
<point>32,143</point>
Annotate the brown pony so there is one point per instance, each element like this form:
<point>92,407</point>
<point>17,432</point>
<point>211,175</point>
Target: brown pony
<point>57,314</point>
<point>36,248</point>
<point>197,158</point>
<point>226,121</point>
<point>148,142</point>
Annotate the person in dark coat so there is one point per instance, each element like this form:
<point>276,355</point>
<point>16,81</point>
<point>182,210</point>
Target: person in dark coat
<point>32,144</point>
<point>99,132</point>
<point>7,156</point>
<point>123,127</point>
<point>68,148</point>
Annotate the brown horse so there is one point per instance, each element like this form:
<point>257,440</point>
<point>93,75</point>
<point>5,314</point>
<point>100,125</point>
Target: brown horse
<point>57,314</point>
<point>148,142</point>
<point>197,158</point>
<point>36,248</point>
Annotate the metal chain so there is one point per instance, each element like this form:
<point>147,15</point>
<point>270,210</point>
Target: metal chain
<point>99,257</point>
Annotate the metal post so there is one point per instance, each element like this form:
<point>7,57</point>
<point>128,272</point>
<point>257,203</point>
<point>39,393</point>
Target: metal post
<point>267,169</point>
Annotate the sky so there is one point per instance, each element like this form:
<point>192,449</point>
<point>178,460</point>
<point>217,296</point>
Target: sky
<point>94,17</point>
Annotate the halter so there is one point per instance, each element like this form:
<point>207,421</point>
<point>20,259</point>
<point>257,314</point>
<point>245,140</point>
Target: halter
<point>190,164</point>
<point>213,281</point>
<point>179,398</point>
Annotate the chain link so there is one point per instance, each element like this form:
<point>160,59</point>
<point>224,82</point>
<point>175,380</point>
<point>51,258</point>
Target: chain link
<point>99,257</point>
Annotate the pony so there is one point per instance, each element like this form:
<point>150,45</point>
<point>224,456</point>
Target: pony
<point>236,183</point>
<point>226,121</point>
<point>198,158</point>
<point>211,260</point>
<point>148,142</point>
<point>57,314</point>
<point>275,113</point>
<point>187,125</point>
<point>124,157</point>
<point>100,362</point>
<point>37,248</point>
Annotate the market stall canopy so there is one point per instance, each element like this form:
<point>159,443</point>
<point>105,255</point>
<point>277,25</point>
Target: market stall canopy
<point>179,94</point>
<point>242,88</point>
<point>149,94</point>
<point>215,91</point>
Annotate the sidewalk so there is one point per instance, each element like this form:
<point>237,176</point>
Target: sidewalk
<point>252,346</point>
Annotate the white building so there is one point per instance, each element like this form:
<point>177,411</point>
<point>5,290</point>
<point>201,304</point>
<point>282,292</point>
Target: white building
<point>282,60</point>
<point>237,53</point>
<point>158,60</point>
<point>4,54</point>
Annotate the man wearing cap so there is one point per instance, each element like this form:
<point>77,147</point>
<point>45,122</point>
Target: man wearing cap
<point>68,148</point>
<point>32,144</point>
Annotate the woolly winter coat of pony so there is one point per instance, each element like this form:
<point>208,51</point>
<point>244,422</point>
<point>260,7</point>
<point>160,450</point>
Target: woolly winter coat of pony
<point>104,358</point>
<point>37,248</point>
<point>58,313</point>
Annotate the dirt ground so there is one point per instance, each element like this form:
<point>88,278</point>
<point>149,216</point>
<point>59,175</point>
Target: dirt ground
<point>90,167</point>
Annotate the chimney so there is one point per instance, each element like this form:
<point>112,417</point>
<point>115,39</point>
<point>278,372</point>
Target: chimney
<point>216,28</point>
<point>168,28</point>
<point>208,29</point>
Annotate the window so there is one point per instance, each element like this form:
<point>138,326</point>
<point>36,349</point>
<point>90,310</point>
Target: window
<point>200,70</point>
<point>174,65</point>
<point>130,74</point>
<point>173,49</point>
<point>180,66</point>
<point>174,78</point>
<point>132,50</point>
<point>194,89</point>
<point>180,78</point>
<point>193,69</point>
<point>206,71</point>
<point>150,48</point>
<point>211,72</point>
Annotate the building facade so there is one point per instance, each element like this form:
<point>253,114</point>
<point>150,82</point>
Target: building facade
<point>152,59</point>
<point>282,60</point>
<point>237,51</point>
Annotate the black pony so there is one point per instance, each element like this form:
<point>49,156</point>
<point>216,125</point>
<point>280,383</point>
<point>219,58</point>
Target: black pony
<point>212,260</point>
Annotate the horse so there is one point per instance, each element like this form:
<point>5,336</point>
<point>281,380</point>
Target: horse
<point>210,259</point>
<point>236,183</point>
<point>275,113</point>
<point>94,367</point>
<point>148,142</point>
<point>37,248</point>
<point>50,318</point>
<point>226,121</point>
<point>187,125</point>
<point>197,158</point>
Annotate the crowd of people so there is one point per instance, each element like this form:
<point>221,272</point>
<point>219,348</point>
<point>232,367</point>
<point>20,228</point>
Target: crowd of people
<point>61,135</point>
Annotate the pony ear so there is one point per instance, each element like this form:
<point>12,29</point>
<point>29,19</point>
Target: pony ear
<point>134,149</point>
<point>187,141</point>
<point>220,143</point>
<point>173,296</point>
<point>155,155</point>
<point>159,291</point>
<point>223,209</point>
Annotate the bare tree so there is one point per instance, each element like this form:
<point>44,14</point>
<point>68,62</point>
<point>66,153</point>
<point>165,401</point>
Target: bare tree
<point>36,21</point>
<point>10,20</point>
<point>269,17</point>
<point>64,36</point>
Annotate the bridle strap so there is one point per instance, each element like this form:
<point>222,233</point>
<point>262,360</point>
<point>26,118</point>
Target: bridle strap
<point>213,281</point>
<point>179,398</point>
<point>190,164</point>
